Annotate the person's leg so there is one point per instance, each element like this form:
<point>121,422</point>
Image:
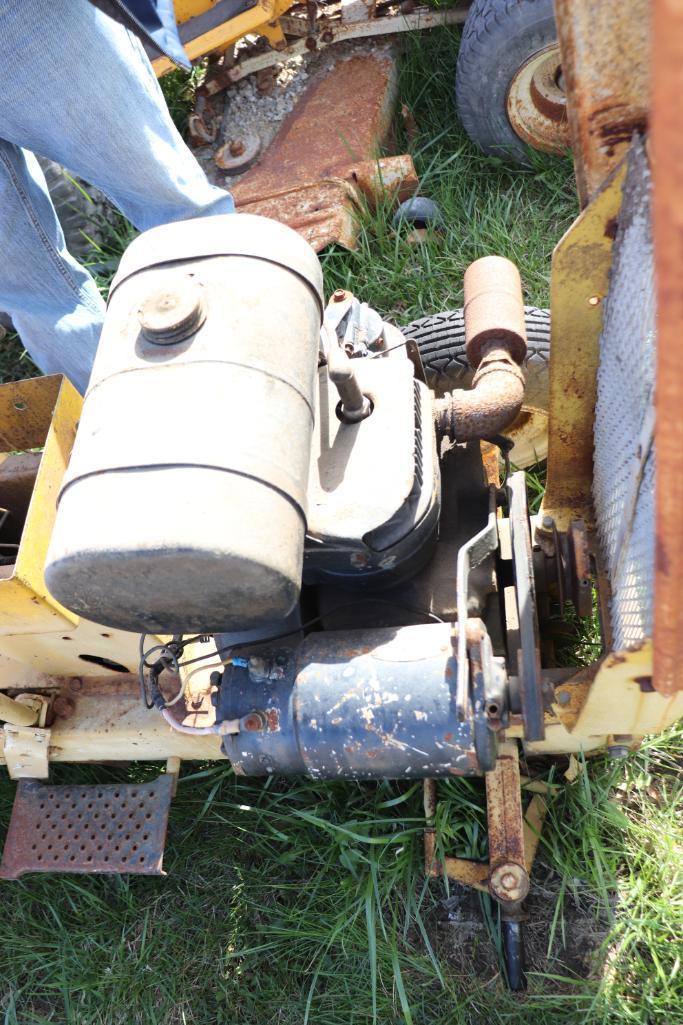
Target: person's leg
<point>78,88</point>
<point>53,301</point>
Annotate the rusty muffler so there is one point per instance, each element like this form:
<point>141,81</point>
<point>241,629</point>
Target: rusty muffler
<point>495,339</point>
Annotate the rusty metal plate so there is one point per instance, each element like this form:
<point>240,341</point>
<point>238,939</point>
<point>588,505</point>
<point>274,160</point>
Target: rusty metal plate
<point>340,120</point>
<point>324,158</point>
<point>120,829</point>
<point>667,170</point>
<point>605,71</point>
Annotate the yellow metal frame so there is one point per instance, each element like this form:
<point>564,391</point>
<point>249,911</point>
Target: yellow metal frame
<point>260,20</point>
<point>38,420</point>
<point>36,414</point>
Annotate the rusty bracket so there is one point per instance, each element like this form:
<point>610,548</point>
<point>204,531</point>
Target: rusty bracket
<point>562,563</point>
<point>336,32</point>
<point>513,837</point>
<point>470,555</point>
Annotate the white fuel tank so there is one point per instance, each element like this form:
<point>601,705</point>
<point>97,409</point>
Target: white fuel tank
<point>183,509</point>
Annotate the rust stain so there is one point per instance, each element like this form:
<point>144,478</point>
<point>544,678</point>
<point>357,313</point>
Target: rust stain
<point>667,171</point>
<point>325,155</point>
<point>272,716</point>
<point>605,68</point>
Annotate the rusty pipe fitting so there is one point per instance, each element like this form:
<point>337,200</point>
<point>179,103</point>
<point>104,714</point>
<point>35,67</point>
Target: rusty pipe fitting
<point>495,339</point>
<point>489,406</point>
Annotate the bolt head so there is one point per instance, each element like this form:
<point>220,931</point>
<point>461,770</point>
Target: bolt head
<point>338,296</point>
<point>63,707</point>
<point>509,882</point>
<point>254,722</point>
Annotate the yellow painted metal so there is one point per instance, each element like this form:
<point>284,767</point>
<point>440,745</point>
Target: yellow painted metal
<point>38,413</point>
<point>60,653</point>
<point>615,696</point>
<point>25,751</point>
<point>621,699</point>
<point>534,817</point>
<point>252,22</point>
<point>186,9</point>
<point>38,421</point>
<point>578,285</point>
<point>107,722</point>
<point>18,713</point>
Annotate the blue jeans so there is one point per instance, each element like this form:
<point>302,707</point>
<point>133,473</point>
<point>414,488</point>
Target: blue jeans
<point>78,88</point>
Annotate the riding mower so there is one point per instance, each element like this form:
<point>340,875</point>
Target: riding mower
<point>262,538</point>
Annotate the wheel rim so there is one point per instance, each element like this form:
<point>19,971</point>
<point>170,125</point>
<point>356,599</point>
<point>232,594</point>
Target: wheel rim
<point>529,433</point>
<point>536,102</point>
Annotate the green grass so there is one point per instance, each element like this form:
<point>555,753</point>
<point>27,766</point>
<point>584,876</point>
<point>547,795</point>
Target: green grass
<point>305,902</point>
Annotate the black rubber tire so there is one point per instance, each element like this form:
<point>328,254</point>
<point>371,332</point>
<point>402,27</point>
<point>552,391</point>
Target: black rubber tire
<point>498,37</point>
<point>441,341</point>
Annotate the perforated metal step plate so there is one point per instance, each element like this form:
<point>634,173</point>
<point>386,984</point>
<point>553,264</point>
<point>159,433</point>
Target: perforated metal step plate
<point>119,829</point>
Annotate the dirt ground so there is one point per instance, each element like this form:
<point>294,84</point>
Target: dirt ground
<point>559,941</point>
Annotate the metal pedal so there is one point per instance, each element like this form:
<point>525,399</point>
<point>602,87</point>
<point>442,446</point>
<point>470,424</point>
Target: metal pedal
<point>112,828</point>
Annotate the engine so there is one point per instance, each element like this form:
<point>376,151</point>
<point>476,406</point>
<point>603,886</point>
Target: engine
<point>254,465</point>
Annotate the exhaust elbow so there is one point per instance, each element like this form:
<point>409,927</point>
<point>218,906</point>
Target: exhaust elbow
<point>495,338</point>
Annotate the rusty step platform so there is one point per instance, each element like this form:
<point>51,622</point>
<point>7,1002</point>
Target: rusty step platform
<point>111,828</point>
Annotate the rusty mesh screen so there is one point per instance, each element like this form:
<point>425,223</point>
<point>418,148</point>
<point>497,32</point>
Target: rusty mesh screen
<point>624,462</point>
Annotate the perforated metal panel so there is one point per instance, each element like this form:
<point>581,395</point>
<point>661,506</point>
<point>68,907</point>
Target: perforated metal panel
<point>624,462</point>
<point>88,829</point>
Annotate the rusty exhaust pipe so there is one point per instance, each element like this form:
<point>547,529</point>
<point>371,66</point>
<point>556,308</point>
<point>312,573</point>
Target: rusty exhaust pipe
<point>495,340</point>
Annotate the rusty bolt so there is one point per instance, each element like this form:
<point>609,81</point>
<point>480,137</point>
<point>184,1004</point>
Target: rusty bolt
<point>63,707</point>
<point>76,683</point>
<point>509,882</point>
<point>338,296</point>
<point>254,722</point>
<point>237,148</point>
<point>327,36</point>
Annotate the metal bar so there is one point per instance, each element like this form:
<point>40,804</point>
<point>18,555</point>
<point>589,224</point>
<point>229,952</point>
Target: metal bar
<point>529,661</point>
<point>423,18</point>
<point>534,817</point>
<point>605,71</point>
<point>667,169</point>
<point>470,555</point>
<point>508,878</point>
<point>17,713</point>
